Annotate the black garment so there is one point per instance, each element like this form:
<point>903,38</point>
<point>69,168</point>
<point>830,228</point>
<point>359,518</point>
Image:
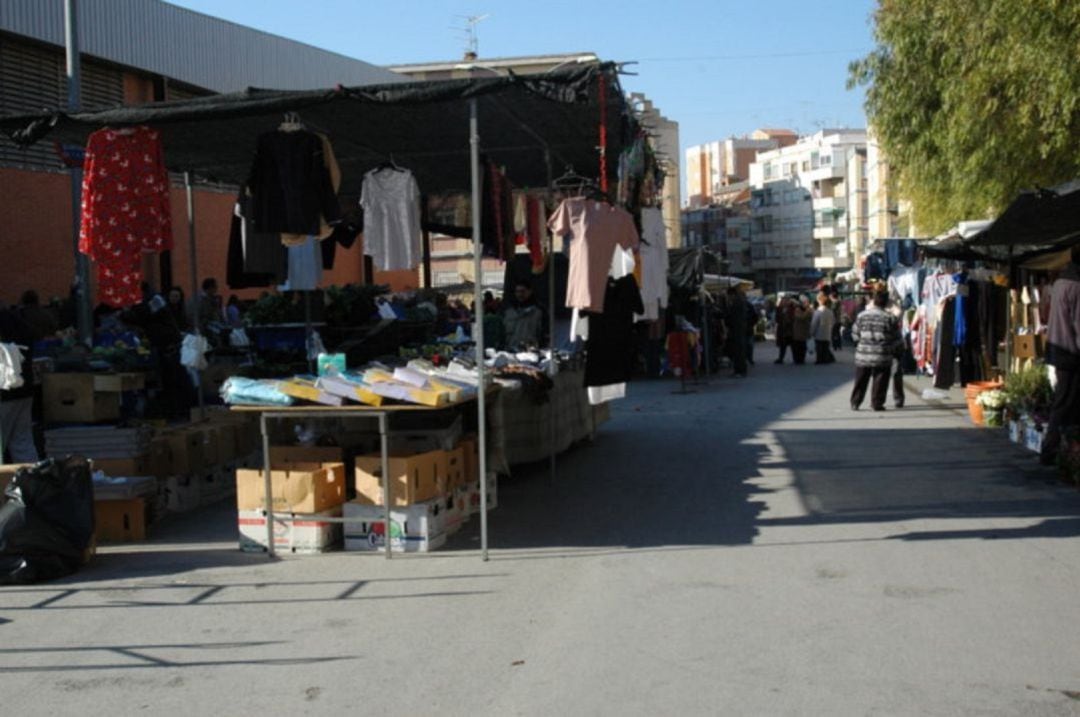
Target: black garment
<point>798,351</point>
<point>823,353</point>
<point>898,382</point>
<point>878,391</point>
<point>262,262</point>
<point>290,184</point>
<point>945,365</point>
<point>783,346</point>
<point>609,351</point>
<point>13,330</point>
<point>1064,411</point>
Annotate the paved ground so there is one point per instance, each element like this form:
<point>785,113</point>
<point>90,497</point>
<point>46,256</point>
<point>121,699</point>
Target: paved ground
<point>751,548</point>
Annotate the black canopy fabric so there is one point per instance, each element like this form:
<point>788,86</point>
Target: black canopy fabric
<point>687,267</point>
<point>1035,223</point>
<point>421,126</point>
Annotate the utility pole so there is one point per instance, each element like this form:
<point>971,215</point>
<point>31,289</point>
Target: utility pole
<point>83,318</point>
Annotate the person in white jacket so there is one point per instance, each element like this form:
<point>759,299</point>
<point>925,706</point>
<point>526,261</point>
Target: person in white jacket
<point>821,328</point>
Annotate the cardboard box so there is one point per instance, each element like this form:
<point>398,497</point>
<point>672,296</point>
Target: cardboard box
<point>303,488</point>
<point>457,509</point>
<point>1024,346</point>
<point>455,469</point>
<point>124,467</point>
<point>417,528</point>
<point>306,535</point>
<point>282,456</point>
<point>469,446</point>
<point>186,451</point>
<point>73,398</point>
<point>120,521</point>
<point>413,479</point>
<point>474,494</point>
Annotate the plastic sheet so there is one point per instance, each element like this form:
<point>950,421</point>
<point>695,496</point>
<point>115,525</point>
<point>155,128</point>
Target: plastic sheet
<point>46,522</point>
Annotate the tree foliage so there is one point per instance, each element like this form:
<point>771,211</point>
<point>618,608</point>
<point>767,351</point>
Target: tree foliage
<point>973,101</point>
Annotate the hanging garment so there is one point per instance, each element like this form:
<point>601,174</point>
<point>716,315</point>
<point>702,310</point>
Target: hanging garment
<point>497,213</point>
<point>291,186</point>
<point>653,257</point>
<point>534,232</point>
<point>305,266</point>
<point>254,259</point>
<point>944,346</point>
<point>935,288</point>
<point>609,351</point>
<point>330,162</point>
<point>125,209</point>
<point>597,228</point>
<point>391,201</point>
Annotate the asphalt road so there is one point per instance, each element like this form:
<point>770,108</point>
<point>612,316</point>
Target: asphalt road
<point>754,547</point>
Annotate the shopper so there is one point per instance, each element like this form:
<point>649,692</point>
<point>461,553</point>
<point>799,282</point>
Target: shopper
<point>234,317</point>
<point>800,333</point>
<point>877,340</point>
<point>1064,356</point>
<point>752,318</point>
<point>737,326</point>
<point>897,370</point>
<point>838,312</point>
<point>178,309</point>
<point>821,329</point>
<point>208,305</point>
<point>43,323</point>
<point>17,404</point>
<point>522,318</point>
<point>785,327</point>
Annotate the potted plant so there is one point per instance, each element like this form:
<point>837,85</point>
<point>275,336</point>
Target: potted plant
<point>1028,395</point>
<point>993,406</point>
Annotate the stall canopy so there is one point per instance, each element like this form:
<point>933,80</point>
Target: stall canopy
<point>687,267</point>
<point>1035,223</point>
<point>417,125</point>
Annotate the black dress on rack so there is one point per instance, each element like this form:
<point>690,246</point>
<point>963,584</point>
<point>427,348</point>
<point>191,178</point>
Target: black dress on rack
<point>609,350</point>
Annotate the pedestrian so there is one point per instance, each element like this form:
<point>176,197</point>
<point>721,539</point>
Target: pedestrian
<point>898,359</point>
<point>752,318</point>
<point>1064,356</point>
<point>41,321</point>
<point>821,329</point>
<point>234,316</point>
<point>785,327</point>
<point>17,404</point>
<point>800,333</point>
<point>737,320</point>
<point>208,304</point>
<point>877,338</point>
<point>522,318</point>
<point>837,337</point>
<point>177,308</point>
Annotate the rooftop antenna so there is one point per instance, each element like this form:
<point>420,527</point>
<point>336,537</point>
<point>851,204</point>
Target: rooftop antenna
<point>472,40</point>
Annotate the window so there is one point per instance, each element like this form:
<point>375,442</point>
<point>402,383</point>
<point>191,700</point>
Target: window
<point>445,278</point>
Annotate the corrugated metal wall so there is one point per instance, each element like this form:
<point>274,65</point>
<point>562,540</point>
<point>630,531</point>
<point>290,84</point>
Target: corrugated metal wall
<point>32,78</point>
<point>183,45</point>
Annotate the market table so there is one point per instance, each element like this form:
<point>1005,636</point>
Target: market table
<point>382,414</point>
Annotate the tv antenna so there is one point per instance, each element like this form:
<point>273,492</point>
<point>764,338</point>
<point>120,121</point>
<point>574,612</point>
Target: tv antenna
<point>472,40</point>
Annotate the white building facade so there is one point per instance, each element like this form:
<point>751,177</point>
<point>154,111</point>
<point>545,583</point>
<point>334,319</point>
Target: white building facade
<point>809,208</point>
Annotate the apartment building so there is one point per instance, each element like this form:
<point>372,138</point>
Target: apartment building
<point>723,226</point>
<point>713,166</point>
<point>665,137</point>
<point>809,207</point>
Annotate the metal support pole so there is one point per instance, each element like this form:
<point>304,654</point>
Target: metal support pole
<point>193,258</point>
<point>384,450</point>
<point>553,369</point>
<point>478,329</point>
<point>268,488</point>
<point>83,316</point>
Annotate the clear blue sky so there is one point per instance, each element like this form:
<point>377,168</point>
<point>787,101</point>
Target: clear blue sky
<point>717,67</point>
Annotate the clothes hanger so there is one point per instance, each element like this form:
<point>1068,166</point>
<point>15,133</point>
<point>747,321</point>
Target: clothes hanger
<point>389,164</point>
<point>291,123</point>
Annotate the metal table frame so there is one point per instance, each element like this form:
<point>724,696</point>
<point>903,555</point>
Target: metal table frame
<point>382,413</point>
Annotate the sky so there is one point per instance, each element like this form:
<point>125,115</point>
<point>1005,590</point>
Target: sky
<point>717,67</point>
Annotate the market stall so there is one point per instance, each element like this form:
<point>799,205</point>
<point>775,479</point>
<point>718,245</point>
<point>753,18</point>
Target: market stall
<point>430,131</point>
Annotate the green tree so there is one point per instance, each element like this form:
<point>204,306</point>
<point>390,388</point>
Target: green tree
<point>974,101</point>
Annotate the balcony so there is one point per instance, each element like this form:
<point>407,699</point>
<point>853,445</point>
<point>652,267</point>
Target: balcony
<point>832,171</point>
<point>830,231</point>
<point>830,203</point>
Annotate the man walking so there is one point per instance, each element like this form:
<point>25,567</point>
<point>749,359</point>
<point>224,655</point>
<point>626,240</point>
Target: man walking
<point>877,339</point>
<point>1064,356</point>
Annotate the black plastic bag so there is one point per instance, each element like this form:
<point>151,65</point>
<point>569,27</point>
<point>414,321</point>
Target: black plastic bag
<point>46,521</point>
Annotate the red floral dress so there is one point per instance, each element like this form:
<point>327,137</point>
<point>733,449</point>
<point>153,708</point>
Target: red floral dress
<point>125,209</point>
